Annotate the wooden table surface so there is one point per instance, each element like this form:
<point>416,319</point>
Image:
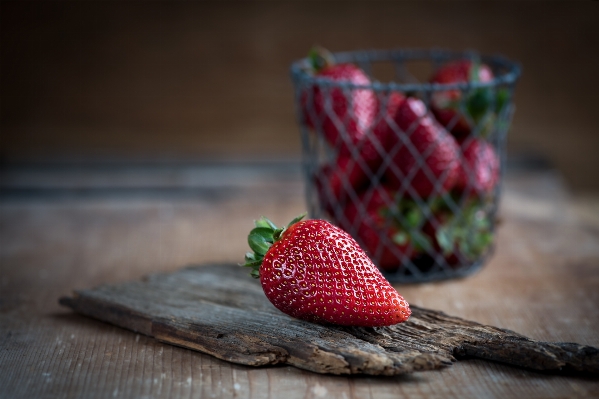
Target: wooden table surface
<point>71,228</point>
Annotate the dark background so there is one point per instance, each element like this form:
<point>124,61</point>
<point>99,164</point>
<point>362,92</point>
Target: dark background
<point>161,82</point>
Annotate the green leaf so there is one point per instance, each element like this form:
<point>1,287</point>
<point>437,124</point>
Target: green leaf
<point>468,248</point>
<point>445,239</point>
<point>320,58</point>
<point>485,240</point>
<point>277,233</point>
<point>471,232</point>
<point>413,218</point>
<point>400,238</point>
<point>297,219</point>
<point>482,223</point>
<point>465,247</point>
<point>255,273</point>
<point>265,222</point>
<point>438,203</point>
<point>253,264</point>
<point>261,223</point>
<point>481,242</point>
<point>501,98</point>
<point>260,239</point>
<point>420,241</point>
<point>250,256</point>
<point>475,69</point>
<point>478,103</point>
<point>265,232</point>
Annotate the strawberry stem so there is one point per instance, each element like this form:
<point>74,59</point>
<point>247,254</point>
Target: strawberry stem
<point>260,239</point>
<point>320,58</point>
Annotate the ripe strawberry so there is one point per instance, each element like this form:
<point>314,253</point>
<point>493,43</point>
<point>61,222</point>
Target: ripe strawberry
<point>386,125</point>
<point>357,165</point>
<point>422,139</point>
<point>313,270</point>
<point>447,105</point>
<point>479,171</point>
<point>343,115</point>
<point>338,182</point>
<point>373,145</point>
<point>371,221</point>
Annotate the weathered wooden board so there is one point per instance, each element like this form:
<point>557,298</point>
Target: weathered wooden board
<point>221,311</point>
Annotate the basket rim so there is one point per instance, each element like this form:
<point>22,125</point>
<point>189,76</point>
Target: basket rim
<point>301,76</point>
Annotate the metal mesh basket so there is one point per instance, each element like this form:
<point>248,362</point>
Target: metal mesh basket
<point>412,170</point>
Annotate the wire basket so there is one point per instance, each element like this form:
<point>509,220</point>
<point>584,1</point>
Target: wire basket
<point>410,166</point>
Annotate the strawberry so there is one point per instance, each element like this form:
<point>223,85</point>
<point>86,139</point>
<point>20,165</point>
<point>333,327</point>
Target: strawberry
<point>375,222</point>
<point>343,115</point>
<point>447,105</point>
<point>336,183</point>
<point>422,140</point>
<point>365,219</point>
<point>313,270</point>
<point>373,145</point>
<point>479,171</point>
<point>385,124</point>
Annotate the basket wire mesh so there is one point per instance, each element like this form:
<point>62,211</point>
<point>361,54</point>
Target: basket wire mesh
<point>419,213</point>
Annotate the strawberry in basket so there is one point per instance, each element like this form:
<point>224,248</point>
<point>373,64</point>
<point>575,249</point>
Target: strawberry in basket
<point>386,226</point>
<point>374,146</point>
<point>425,157</point>
<point>479,170</point>
<point>465,112</point>
<point>342,115</point>
<point>355,166</point>
<point>338,182</point>
<point>367,220</point>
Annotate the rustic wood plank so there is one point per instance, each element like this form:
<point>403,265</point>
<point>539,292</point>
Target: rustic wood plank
<point>220,311</point>
<point>541,282</point>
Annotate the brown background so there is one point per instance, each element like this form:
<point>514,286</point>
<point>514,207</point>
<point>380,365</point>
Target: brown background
<point>162,83</point>
<point>153,81</point>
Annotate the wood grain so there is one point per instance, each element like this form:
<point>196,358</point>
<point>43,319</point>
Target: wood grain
<point>542,281</point>
<point>220,311</point>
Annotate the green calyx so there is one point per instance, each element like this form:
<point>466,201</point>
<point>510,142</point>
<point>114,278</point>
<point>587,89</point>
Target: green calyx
<point>408,219</point>
<point>320,58</point>
<point>483,102</point>
<point>481,105</point>
<point>260,239</point>
<point>470,233</point>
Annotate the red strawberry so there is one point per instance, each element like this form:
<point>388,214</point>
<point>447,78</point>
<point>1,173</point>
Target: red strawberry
<point>386,125</point>
<point>372,148</point>
<point>369,220</point>
<point>336,183</point>
<point>446,105</point>
<point>422,139</point>
<point>313,270</point>
<point>480,169</point>
<point>343,115</point>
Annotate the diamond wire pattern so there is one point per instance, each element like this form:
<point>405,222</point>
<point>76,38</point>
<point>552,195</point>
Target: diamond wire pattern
<point>449,233</point>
